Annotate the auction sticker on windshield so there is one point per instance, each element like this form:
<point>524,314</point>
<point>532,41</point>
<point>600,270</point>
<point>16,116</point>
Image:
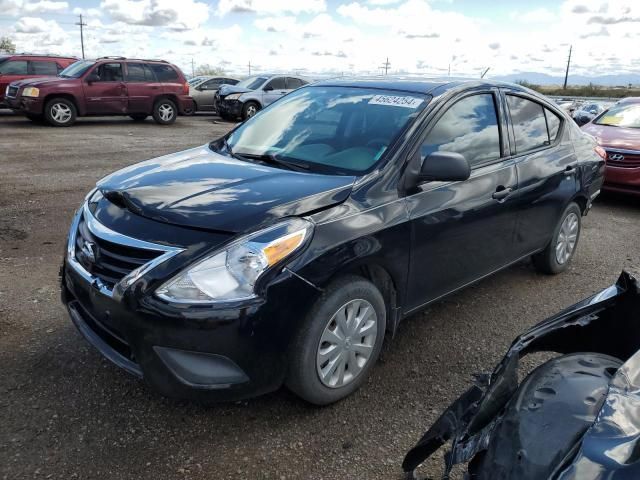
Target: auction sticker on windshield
<point>396,101</point>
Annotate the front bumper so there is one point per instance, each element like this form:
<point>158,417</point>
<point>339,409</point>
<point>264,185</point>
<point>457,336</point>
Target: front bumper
<point>22,104</point>
<point>202,353</point>
<point>230,108</point>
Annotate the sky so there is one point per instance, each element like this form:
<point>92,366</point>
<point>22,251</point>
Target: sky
<point>341,36</point>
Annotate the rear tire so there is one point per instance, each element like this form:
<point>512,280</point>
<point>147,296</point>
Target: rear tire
<point>139,117</point>
<point>165,111</point>
<point>60,112</point>
<point>338,342</point>
<point>249,110</point>
<point>558,254</point>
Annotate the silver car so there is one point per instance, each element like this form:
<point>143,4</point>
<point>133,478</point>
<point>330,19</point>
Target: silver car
<point>254,93</point>
<point>203,93</point>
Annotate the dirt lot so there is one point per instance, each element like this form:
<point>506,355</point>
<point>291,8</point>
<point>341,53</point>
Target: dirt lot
<point>67,413</point>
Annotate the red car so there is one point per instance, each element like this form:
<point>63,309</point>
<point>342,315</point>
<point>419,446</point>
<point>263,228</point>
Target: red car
<point>17,67</point>
<point>106,86</point>
<point>618,132</point>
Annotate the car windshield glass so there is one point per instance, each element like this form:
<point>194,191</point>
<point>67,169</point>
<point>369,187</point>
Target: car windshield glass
<point>621,116</point>
<point>342,130</point>
<point>251,83</point>
<point>75,70</point>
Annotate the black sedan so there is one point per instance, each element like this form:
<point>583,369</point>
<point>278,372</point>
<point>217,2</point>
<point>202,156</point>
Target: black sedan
<point>288,250</point>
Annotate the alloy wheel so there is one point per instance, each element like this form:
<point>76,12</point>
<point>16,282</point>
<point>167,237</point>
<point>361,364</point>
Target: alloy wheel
<point>166,112</point>
<point>347,343</point>
<point>567,238</point>
<point>60,112</point>
<point>251,111</point>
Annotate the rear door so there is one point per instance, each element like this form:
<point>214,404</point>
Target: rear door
<point>141,87</point>
<point>108,93</point>
<point>546,164</point>
<point>273,90</point>
<point>168,77</point>
<point>462,231</point>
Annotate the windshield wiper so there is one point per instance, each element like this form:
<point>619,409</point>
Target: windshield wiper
<point>273,160</point>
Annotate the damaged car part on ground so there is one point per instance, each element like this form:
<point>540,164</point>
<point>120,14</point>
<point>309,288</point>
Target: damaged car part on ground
<point>285,251</point>
<point>574,417</point>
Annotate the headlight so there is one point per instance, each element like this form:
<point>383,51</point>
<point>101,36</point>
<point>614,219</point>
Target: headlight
<point>231,274</point>
<point>233,96</point>
<point>31,92</point>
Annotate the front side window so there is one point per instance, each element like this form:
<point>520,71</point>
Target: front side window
<point>14,67</point>
<point>44,68</point>
<point>212,84</point>
<point>276,84</point>
<point>529,124</point>
<point>252,83</point>
<point>337,130</point>
<point>469,127</point>
<point>625,115</point>
<point>109,72</point>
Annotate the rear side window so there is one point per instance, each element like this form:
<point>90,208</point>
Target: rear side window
<point>529,124</point>
<point>136,72</point>
<point>276,84</point>
<point>293,83</point>
<point>14,67</point>
<point>164,73</point>
<point>229,81</point>
<point>469,127</point>
<point>553,124</point>
<point>44,68</point>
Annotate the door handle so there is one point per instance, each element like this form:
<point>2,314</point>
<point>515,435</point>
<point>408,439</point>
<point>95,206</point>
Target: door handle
<point>501,193</point>
<point>570,170</point>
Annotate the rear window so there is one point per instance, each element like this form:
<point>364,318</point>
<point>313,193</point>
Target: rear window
<point>43,68</point>
<point>529,124</point>
<point>14,67</point>
<point>164,73</point>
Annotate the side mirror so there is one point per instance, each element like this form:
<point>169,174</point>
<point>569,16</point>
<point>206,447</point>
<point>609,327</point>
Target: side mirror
<point>268,88</point>
<point>444,167</point>
<point>93,77</point>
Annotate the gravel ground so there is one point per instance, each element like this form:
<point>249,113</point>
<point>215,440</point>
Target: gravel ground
<point>66,413</point>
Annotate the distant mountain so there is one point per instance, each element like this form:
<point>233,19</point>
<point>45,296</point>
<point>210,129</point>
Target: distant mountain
<point>623,79</point>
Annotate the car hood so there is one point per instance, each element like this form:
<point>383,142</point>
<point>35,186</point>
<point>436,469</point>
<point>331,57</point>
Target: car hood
<point>203,189</point>
<point>41,81</point>
<point>615,137</point>
<point>228,89</point>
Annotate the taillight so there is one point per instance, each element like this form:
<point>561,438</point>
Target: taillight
<point>185,88</point>
<point>602,153</point>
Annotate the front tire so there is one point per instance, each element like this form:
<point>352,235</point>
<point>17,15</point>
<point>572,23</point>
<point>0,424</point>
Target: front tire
<point>338,343</point>
<point>556,257</point>
<point>249,110</point>
<point>60,112</point>
<point>165,111</point>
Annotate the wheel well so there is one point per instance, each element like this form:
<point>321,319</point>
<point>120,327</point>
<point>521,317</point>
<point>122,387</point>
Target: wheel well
<point>252,101</point>
<point>383,282</point>
<point>66,96</point>
<point>173,98</point>
<point>582,203</point>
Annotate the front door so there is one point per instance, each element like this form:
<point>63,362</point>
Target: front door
<point>273,90</point>
<point>205,93</point>
<point>462,231</point>
<point>105,91</point>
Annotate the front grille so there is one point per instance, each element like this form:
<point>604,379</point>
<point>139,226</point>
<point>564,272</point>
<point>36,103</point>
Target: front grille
<point>623,159</point>
<point>12,91</point>
<point>108,261</point>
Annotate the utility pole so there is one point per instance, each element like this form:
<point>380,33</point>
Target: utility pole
<point>82,24</point>
<point>249,67</point>
<point>566,75</point>
<point>449,74</point>
<point>386,66</point>
<point>485,72</point>
<point>193,68</point>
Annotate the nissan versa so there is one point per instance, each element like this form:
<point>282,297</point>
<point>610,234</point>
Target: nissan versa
<point>285,251</point>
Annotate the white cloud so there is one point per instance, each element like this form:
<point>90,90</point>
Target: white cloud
<point>271,7</point>
<point>87,12</point>
<point>182,15</point>
<point>44,6</point>
<point>35,25</point>
<point>538,15</point>
<point>10,7</point>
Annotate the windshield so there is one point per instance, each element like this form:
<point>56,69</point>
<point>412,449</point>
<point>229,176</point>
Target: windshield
<point>329,129</point>
<point>77,69</point>
<point>621,116</point>
<point>251,83</point>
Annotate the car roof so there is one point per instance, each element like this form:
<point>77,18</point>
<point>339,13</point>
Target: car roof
<point>35,55</point>
<point>412,84</point>
<point>629,100</point>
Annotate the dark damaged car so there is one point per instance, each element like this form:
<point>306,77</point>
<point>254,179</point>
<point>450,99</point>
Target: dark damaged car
<point>575,417</point>
<point>285,251</point>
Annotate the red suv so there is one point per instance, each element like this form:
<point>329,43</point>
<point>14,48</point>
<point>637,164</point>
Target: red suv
<point>107,86</point>
<point>17,67</point>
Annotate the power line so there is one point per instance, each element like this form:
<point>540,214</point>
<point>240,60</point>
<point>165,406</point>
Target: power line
<point>82,24</point>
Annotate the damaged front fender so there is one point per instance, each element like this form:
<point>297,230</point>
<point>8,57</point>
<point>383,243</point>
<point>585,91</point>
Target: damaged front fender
<point>576,416</point>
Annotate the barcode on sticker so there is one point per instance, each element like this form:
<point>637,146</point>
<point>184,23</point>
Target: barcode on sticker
<point>396,101</point>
